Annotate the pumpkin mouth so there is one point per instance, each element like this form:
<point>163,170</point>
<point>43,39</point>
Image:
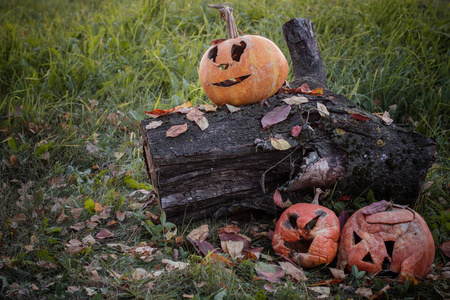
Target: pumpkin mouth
<point>231,82</point>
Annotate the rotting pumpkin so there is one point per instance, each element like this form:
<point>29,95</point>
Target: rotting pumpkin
<point>307,234</point>
<point>387,238</point>
<point>242,69</point>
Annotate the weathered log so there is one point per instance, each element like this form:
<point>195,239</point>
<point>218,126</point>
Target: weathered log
<point>305,54</point>
<point>233,165</point>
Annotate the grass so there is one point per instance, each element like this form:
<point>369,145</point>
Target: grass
<point>76,78</point>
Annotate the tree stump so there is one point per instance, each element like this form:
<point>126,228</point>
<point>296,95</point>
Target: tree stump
<point>232,165</point>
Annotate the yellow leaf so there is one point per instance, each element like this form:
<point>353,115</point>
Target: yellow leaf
<point>280,144</point>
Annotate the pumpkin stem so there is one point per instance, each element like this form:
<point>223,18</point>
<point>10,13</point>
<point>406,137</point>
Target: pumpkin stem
<point>227,14</point>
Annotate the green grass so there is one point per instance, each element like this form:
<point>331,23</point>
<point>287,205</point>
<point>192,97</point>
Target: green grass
<point>77,76</point>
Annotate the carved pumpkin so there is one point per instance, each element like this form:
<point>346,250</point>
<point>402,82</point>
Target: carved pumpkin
<point>307,234</point>
<point>382,237</point>
<point>242,69</point>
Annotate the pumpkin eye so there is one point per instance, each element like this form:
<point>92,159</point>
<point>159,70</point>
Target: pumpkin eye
<point>311,224</point>
<point>293,221</point>
<point>213,54</point>
<point>237,50</point>
<point>368,258</point>
<point>356,238</point>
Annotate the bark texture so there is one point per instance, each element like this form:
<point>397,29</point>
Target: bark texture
<point>232,165</point>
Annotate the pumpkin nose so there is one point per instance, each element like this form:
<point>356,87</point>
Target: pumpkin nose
<point>223,67</point>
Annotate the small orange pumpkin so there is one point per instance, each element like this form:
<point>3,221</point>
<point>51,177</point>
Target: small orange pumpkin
<point>385,237</point>
<point>242,69</point>
<point>307,234</point>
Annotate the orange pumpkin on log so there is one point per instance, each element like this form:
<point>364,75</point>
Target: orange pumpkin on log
<point>387,238</point>
<point>307,234</point>
<point>242,69</point>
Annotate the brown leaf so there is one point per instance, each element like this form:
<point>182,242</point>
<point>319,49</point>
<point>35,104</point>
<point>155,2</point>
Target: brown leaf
<point>229,229</point>
<point>277,199</point>
<point>269,272</point>
<point>13,160</point>
<point>200,233</point>
<point>294,271</point>
<point>176,130</point>
<point>98,207</point>
<point>120,216</point>
<point>276,115</point>
<point>78,226</point>
<point>338,273</point>
<point>364,292</point>
<point>220,258</point>
<point>445,247</point>
<point>111,223</point>
<point>194,115</point>
<point>208,107</point>
<point>20,218</point>
<point>62,218</point>
<point>104,234</point>
<point>385,117</point>
<point>234,248</point>
<point>375,207</point>
<point>202,123</point>
<point>76,213</point>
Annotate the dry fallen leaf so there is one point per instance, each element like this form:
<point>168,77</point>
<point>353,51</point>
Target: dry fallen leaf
<point>176,130</point>
<point>276,115</point>
<point>229,229</point>
<point>321,290</point>
<point>208,107</point>
<point>364,292</point>
<point>232,108</point>
<point>322,109</point>
<point>234,248</point>
<point>295,100</point>
<point>360,117</point>
<point>120,216</point>
<point>295,131</point>
<point>445,247</point>
<point>202,123</point>
<point>170,264</point>
<point>194,115</point>
<point>278,199</point>
<point>294,271</point>
<point>104,234</point>
<point>338,273</point>
<point>153,125</point>
<point>385,117</point>
<point>200,233</point>
<point>88,240</point>
<point>280,144</point>
<point>269,272</point>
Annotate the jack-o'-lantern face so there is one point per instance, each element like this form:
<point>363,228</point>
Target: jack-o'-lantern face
<point>243,70</point>
<point>307,234</point>
<point>392,239</point>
